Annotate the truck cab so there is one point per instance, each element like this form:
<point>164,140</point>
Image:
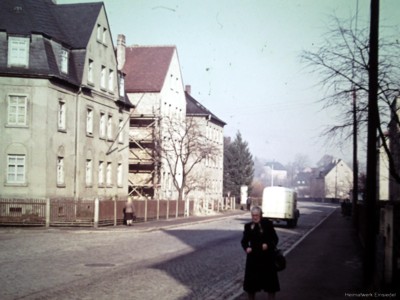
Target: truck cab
<point>280,204</point>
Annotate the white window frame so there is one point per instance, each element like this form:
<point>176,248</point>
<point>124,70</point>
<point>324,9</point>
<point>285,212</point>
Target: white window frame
<point>17,112</point>
<point>104,36</point>
<point>103,76</point>
<point>109,128</point>
<point>64,60</point>
<point>89,173</point>
<point>62,116</point>
<point>90,71</point>
<point>99,33</point>
<point>120,175</point>
<point>16,169</point>
<point>102,125</point>
<point>60,171</point>
<point>18,51</point>
<point>111,80</point>
<point>121,131</point>
<point>121,86</point>
<point>101,173</point>
<point>109,174</point>
<point>89,121</point>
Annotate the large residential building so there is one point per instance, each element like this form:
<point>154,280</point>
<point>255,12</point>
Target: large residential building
<point>154,85</point>
<point>61,114</point>
<point>206,178</point>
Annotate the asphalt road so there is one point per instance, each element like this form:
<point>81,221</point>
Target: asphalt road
<point>192,261</point>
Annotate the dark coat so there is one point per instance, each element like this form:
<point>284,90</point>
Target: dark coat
<point>260,273</point>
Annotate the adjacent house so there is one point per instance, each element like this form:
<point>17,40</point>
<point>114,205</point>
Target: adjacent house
<point>206,178</point>
<point>333,181</point>
<point>61,114</point>
<point>154,85</point>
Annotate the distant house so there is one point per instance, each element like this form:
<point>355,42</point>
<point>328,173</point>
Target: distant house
<point>207,176</point>
<point>302,183</point>
<point>153,84</point>
<point>333,181</point>
<point>61,114</point>
<point>275,174</point>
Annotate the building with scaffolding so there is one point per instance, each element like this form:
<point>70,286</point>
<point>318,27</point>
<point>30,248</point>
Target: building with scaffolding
<point>153,84</point>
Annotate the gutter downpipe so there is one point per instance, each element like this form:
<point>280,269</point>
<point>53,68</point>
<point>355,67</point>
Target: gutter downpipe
<point>76,143</point>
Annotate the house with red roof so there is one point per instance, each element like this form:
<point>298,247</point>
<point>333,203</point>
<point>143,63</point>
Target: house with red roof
<point>154,85</point>
<point>61,115</point>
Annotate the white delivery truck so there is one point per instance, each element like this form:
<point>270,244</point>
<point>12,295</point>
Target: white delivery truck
<point>280,204</point>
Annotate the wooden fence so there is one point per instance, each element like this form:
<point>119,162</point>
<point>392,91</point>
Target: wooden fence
<point>68,212</point>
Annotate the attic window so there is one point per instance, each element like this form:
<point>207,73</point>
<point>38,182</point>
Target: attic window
<point>64,61</point>
<point>18,51</point>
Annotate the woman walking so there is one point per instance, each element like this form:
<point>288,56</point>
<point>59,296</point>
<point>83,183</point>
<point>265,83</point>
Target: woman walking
<point>259,241</point>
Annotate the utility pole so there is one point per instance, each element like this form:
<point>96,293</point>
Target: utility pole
<point>369,262</point>
<point>355,143</point>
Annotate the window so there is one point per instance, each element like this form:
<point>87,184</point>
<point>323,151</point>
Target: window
<point>109,128</point>
<point>111,80</point>
<point>64,61</point>
<point>109,174</point>
<point>101,173</point>
<point>119,176</point>
<point>90,71</point>
<point>89,121</point>
<point>102,131</point>
<point>121,86</point>
<point>18,52</point>
<point>120,131</point>
<point>15,168</point>
<point>89,172</point>
<point>103,77</point>
<point>99,33</point>
<point>61,116</point>
<point>17,110</point>
<point>60,171</point>
<point>104,36</point>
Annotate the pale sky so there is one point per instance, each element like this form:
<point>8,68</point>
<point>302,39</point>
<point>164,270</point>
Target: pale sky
<point>242,61</point>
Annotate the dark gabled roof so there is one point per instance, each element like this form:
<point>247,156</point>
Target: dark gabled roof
<point>194,108</point>
<point>69,24</point>
<point>327,168</point>
<point>146,68</point>
<point>275,165</point>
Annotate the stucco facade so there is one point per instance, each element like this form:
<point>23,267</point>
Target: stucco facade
<point>159,102</point>
<point>61,116</point>
<point>206,178</point>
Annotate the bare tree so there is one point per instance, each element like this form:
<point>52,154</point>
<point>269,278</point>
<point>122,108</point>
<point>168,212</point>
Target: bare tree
<point>342,64</point>
<point>183,146</point>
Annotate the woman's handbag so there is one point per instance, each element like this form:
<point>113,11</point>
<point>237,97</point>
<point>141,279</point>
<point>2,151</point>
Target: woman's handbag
<point>279,260</point>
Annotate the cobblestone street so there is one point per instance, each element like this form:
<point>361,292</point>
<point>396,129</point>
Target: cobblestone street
<point>202,260</point>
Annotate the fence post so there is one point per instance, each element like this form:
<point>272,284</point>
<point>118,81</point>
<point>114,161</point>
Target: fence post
<point>158,208</point>
<point>47,212</point>
<point>167,216</point>
<point>115,211</point>
<point>145,209</point>
<point>96,212</point>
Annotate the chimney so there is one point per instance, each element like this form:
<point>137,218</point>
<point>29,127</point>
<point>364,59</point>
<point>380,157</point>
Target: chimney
<point>188,89</point>
<point>121,51</point>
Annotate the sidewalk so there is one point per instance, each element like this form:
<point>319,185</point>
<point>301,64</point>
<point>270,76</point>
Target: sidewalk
<point>175,222</point>
<point>327,264</point>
